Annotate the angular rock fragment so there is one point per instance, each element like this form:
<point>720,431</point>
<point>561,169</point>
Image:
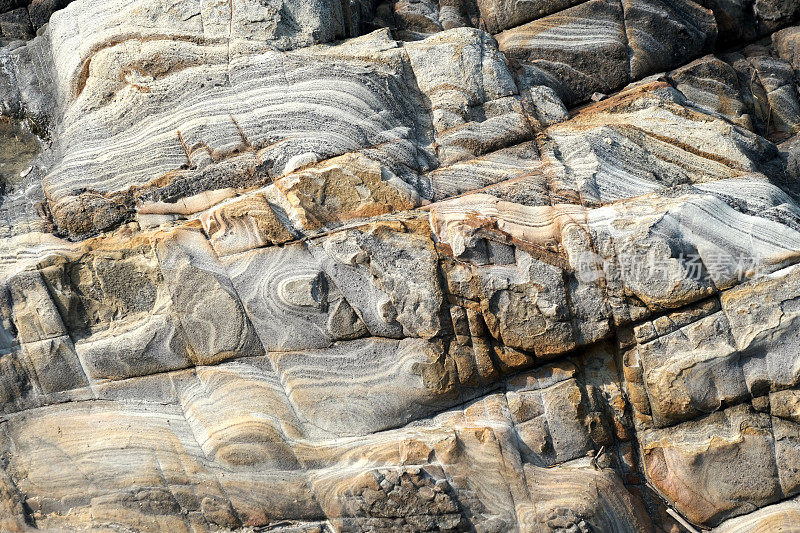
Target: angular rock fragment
<point>742,21</point>
<point>373,263</point>
<point>717,467</point>
<point>535,274</point>
<point>55,364</point>
<point>475,115</point>
<point>782,515</point>
<point>786,43</point>
<point>351,401</point>
<point>41,10</point>
<point>712,86</point>
<point>344,188</point>
<point>550,421</point>
<point>736,20</point>
<point>250,432</point>
<point>498,15</point>
<point>547,107</point>
<point>519,162</point>
<point>15,25</point>
<point>645,139</point>
<point>157,344</point>
<point>586,508</point>
<point>240,148</point>
<point>577,52</point>
<point>662,34</point>
<point>778,82</point>
<point>762,315</point>
<point>35,315</point>
<point>244,224</point>
<point>420,16</point>
<point>202,294</point>
<point>772,14</point>
<point>686,375</point>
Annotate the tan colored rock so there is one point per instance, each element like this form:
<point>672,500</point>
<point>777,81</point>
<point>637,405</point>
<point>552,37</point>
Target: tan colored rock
<point>244,224</point>
<point>343,265</point>
<point>692,371</point>
<point>714,468</point>
<point>343,189</point>
<point>779,517</point>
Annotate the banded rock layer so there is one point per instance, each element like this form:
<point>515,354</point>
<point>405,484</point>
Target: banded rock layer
<point>400,266</point>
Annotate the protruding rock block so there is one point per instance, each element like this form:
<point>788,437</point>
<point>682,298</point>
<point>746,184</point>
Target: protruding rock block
<point>662,34</point>
<point>717,467</point>
<point>205,300</point>
<point>595,58</point>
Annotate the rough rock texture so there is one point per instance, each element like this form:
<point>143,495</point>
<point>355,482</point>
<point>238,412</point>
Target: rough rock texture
<point>22,19</point>
<point>413,265</point>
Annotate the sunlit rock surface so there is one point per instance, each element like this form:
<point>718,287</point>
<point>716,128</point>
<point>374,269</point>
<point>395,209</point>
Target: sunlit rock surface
<point>413,265</point>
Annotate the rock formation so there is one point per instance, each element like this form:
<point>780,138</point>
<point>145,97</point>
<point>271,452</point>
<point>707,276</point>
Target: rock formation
<point>407,265</point>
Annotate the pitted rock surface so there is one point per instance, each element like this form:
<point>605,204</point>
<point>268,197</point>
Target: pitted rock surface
<point>404,265</point>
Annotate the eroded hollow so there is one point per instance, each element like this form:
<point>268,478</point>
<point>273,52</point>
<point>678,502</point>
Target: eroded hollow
<point>18,148</point>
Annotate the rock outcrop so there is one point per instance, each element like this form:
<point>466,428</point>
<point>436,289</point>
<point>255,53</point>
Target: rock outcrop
<point>412,265</point>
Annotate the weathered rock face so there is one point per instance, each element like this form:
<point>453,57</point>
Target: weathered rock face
<point>409,265</point>
<point>22,19</point>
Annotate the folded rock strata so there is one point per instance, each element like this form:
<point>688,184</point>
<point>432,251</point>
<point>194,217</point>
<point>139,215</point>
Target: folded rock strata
<point>433,265</point>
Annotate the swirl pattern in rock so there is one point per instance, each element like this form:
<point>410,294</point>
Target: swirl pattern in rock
<point>434,265</point>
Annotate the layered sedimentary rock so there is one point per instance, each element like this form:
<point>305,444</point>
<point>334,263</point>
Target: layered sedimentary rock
<point>399,266</point>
